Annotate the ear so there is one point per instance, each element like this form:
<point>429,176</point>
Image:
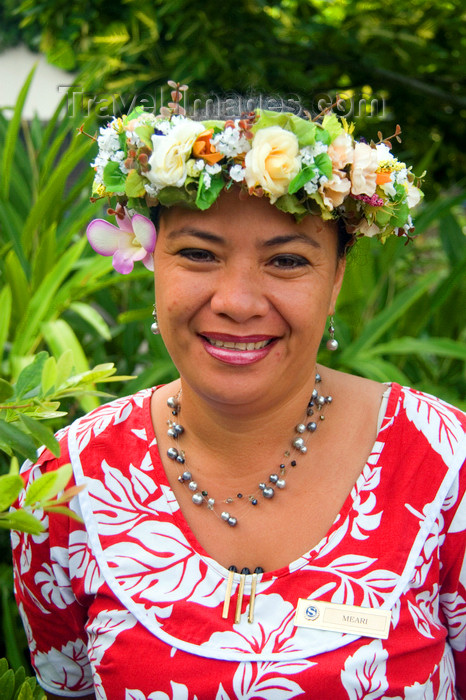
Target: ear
<point>339,275</point>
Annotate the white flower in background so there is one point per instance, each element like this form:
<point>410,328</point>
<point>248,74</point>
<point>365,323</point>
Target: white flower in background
<point>171,153</point>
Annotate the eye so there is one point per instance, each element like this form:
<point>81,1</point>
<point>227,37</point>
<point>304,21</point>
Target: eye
<point>289,262</point>
<point>197,254</point>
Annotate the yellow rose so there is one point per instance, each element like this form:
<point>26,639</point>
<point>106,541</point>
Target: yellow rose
<point>363,170</point>
<point>170,154</point>
<point>273,161</point>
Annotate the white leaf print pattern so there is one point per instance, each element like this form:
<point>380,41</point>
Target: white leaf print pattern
<point>454,607</point>
<point>364,674</point>
<point>250,681</point>
<point>179,692</point>
<point>82,564</point>
<point>69,666</point>
<point>436,421</point>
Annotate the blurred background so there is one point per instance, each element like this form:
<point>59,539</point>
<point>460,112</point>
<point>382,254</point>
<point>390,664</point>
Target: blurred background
<point>63,312</point>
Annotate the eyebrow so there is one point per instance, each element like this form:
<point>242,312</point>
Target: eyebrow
<point>203,235</point>
<point>271,242</point>
<point>289,238</point>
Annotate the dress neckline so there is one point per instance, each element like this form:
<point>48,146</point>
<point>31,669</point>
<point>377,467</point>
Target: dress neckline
<point>388,410</point>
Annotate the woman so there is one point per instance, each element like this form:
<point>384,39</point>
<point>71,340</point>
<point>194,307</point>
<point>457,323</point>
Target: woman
<point>263,527</point>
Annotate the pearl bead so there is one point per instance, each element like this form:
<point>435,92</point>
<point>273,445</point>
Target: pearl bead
<point>262,486</point>
<point>232,521</point>
<point>172,453</point>
<point>311,426</point>
<point>332,344</point>
<point>321,401</point>
<point>281,483</point>
<point>273,478</point>
<point>298,443</point>
<point>314,394</point>
<point>171,432</point>
<point>210,503</point>
<point>300,428</point>
<point>328,399</point>
<point>178,428</point>
<point>318,378</point>
<point>186,476</point>
<point>192,486</point>
<point>180,459</point>
<point>197,498</point>
<point>225,515</point>
<point>172,402</point>
<point>303,449</point>
<point>268,492</point>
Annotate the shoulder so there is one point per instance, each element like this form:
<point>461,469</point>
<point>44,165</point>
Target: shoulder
<point>436,423</point>
<point>105,426</point>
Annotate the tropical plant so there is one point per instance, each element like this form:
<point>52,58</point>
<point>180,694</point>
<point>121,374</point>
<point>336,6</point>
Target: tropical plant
<point>15,686</point>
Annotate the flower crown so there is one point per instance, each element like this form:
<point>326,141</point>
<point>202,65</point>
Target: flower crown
<point>304,166</point>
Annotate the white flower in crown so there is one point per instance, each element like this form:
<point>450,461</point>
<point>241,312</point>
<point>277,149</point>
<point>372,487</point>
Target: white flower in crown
<point>171,152</point>
<point>273,161</point>
<point>231,142</point>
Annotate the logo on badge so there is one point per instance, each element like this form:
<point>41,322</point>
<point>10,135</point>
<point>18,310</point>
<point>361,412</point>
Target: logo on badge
<point>312,613</point>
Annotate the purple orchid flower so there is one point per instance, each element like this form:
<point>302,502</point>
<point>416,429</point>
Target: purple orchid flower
<point>133,239</point>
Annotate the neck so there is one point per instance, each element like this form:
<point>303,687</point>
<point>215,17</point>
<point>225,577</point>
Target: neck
<point>234,436</point>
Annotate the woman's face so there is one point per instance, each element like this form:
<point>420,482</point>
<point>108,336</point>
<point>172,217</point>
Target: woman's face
<point>243,294</point>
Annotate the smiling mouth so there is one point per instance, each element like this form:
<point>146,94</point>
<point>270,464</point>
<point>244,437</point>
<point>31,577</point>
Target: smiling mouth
<point>229,345</point>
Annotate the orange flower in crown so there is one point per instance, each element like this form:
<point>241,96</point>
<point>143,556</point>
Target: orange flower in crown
<point>204,148</point>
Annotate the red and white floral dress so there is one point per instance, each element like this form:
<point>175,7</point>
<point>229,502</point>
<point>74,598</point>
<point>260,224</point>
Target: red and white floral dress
<point>128,604</point>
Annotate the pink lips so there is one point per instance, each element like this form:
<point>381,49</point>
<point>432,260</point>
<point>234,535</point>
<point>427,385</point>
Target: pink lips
<point>237,357</point>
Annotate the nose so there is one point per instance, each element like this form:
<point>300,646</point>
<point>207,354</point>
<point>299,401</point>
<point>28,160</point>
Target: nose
<point>239,294</point>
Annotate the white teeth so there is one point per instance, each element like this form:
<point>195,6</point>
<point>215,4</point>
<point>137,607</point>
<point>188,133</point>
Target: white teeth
<point>237,346</point>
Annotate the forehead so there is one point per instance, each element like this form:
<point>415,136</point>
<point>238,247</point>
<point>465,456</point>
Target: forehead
<point>236,216</point>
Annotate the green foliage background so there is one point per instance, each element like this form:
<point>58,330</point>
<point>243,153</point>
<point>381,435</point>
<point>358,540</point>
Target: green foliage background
<point>401,312</point>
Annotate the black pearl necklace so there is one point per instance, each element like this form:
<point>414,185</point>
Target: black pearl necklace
<point>266,489</point>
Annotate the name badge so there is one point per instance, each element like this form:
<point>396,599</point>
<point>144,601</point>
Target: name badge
<point>347,619</point>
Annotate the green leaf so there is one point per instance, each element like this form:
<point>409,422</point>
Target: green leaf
<point>17,440</point>
<point>331,124</point>
<point>7,685</point>
<point>389,316</point>
<point>30,377</point>
<point>49,375</point>
<point>304,131</point>
<point>25,693</point>
<point>6,390</point>
<point>5,315</point>
<point>289,204</point>
<point>113,179</point>
<point>22,521</point>
<point>206,197</point>
<point>134,184</point>
<point>93,318</point>
<point>443,347</point>
<point>324,164</point>
<point>48,485</point>
<point>42,434</point>
<point>299,180</point>
<point>64,367</point>
<point>145,134</point>
<point>12,136</point>
<point>11,486</point>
